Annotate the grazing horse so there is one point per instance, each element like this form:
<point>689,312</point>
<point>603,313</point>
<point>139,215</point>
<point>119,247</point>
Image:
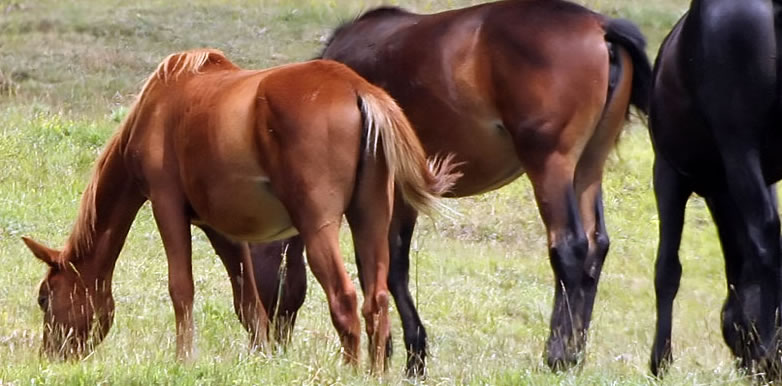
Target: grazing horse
<point>249,156</point>
<point>715,125</point>
<point>535,86</point>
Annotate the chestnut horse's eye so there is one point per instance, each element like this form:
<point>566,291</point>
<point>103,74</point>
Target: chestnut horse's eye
<point>43,302</point>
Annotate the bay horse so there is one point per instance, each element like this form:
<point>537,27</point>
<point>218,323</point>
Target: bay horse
<point>536,86</point>
<point>715,125</point>
<point>249,156</point>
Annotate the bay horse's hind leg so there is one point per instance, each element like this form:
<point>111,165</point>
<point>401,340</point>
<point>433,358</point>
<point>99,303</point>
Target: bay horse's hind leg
<point>236,260</point>
<point>671,193</point>
<point>588,187</point>
<point>568,246</point>
<point>400,236</point>
<point>369,217</point>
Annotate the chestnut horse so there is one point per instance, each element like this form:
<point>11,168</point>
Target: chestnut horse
<point>248,155</point>
<point>715,125</point>
<point>535,86</point>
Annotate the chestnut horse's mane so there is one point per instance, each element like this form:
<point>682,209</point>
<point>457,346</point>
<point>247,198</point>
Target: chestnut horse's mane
<point>171,68</point>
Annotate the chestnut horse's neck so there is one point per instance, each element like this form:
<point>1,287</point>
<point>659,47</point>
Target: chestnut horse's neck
<point>108,207</point>
<point>113,197</point>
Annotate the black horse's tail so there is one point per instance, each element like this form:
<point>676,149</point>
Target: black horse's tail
<point>626,34</point>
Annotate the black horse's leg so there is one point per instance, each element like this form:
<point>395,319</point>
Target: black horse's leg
<point>671,192</point>
<point>738,98</point>
<point>399,237</point>
<point>756,289</point>
<point>727,217</point>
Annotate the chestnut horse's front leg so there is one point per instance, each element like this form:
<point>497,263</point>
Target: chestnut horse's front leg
<point>174,226</point>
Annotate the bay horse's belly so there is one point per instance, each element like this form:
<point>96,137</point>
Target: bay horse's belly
<point>244,207</point>
<point>487,152</point>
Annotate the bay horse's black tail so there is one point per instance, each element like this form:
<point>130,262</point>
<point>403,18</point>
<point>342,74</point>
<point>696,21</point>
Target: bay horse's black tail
<point>627,35</point>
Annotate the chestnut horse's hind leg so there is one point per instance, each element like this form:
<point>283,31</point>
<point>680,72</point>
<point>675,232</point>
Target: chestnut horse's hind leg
<point>671,192</point>
<point>369,216</point>
<point>326,264</point>
<point>236,259</point>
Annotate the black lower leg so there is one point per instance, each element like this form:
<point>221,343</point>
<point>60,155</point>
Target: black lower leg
<point>567,255</point>
<point>398,282</point>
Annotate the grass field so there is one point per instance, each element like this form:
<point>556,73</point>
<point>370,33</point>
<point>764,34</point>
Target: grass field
<point>68,72</point>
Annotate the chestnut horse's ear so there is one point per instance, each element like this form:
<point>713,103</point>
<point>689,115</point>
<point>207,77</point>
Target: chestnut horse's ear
<point>42,252</point>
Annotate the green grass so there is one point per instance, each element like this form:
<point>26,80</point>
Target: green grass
<point>68,71</point>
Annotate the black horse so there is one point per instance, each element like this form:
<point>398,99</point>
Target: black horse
<point>715,125</point>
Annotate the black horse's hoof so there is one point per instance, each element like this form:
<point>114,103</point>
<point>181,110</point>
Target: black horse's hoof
<point>659,366</point>
<point>558,358</point>
<point>416,367</point>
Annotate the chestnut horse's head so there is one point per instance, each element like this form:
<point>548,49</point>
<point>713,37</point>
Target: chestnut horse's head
<point>78,309</point>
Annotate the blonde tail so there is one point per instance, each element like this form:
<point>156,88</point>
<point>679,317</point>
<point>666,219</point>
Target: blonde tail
<point>421,182</point>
